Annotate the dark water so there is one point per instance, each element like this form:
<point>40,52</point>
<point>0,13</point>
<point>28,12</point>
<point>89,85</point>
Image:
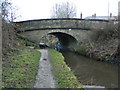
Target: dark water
<point>91,72</point>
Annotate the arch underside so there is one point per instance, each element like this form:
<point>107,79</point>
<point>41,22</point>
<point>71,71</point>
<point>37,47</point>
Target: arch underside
<point>66,40</point>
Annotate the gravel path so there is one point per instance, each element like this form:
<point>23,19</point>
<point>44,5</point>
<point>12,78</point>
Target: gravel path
<point>44,78</point>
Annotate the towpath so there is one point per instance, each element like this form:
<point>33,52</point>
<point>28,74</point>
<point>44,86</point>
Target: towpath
<point>44,78</point>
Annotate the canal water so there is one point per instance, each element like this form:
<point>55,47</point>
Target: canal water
<point>92,72</point>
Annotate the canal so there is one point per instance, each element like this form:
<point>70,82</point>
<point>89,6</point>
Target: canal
<point>92,72</point>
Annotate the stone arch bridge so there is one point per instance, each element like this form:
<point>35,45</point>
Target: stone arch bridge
<point>70,32</point>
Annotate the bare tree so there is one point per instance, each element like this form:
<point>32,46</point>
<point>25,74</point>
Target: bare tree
<point>64,10</point>
<point>8,11</point>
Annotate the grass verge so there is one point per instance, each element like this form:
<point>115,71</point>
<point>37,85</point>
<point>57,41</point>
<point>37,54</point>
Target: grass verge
<point>21,70</point>
<point>63,75</point>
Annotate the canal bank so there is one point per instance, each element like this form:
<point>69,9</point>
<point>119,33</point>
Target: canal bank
<point>92,72</point>
<point>107,53</point>
<point>20,68</point>
<point>62,73</point>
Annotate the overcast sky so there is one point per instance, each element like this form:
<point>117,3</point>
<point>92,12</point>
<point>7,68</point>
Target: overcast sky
<point>41,9</point>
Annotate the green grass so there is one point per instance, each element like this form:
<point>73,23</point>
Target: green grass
<point>63,74</point>
<point>21,70</point>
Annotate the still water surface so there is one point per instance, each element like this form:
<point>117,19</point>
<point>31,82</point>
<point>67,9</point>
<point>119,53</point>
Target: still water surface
<point>91,72</point>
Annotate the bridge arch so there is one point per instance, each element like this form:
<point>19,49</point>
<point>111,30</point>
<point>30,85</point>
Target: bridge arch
<point>66,39</point>
<point>73,31</point>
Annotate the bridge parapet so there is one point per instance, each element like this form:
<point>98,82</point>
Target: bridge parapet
<point>70,23</point>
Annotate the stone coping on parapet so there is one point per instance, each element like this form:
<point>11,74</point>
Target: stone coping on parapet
<point>61,19</point>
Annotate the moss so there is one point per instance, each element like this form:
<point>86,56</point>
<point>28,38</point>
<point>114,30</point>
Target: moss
<point>21,70</point>
<point>82,49</point>
<point>63,74</point>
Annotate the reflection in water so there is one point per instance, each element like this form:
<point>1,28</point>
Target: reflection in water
<point>91,72</point>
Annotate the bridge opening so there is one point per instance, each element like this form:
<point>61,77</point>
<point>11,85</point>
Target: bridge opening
<point>65,41</point>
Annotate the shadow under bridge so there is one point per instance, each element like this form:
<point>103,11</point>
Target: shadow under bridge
<point>65,41</point>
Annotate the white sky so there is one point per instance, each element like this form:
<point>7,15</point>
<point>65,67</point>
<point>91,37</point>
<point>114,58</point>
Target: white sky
<point>41,9</point>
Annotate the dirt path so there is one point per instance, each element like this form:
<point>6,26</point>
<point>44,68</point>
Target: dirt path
<point>44,78</point>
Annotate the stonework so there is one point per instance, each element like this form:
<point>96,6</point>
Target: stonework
<point>62,23</point>
<point>66,30</point>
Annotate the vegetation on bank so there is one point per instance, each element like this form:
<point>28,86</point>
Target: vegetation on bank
<point>21,69</point>
<point>63,74</point>
<point>19,63</point>
<point>103,44</point>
